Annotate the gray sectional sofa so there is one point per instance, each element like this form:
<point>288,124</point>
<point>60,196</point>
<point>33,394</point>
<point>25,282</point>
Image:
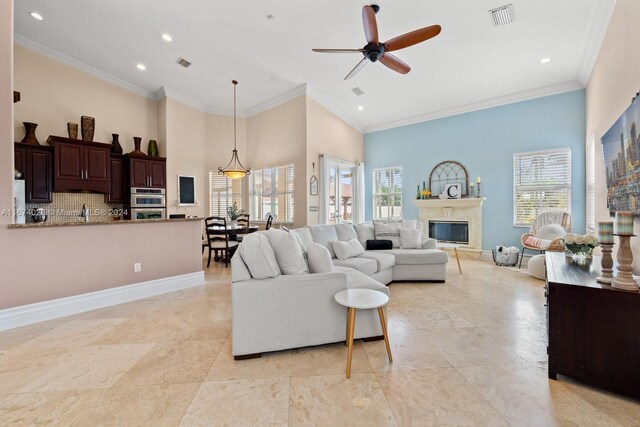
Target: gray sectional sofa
<point>281,301</point>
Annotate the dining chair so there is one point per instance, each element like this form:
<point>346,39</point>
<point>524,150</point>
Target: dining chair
<point>243,222</point>
<point>218,239</point>
<point>269,222</point>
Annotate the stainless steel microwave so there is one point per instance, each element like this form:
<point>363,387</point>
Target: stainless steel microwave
<point>148,213</point>
<point>148,198</point>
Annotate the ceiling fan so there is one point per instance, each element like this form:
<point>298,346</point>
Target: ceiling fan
<point>375,51</point>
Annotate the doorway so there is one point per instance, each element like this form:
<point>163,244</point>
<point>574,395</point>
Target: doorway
<point>341,175</point>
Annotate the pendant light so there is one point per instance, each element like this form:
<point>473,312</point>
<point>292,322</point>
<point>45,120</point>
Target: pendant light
<point>234,169</point>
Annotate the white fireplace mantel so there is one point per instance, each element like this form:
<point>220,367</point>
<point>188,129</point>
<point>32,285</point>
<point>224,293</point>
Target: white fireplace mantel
<point>468,210</point>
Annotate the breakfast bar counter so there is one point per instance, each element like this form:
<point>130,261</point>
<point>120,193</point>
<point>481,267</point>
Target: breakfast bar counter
<point>82,223</point>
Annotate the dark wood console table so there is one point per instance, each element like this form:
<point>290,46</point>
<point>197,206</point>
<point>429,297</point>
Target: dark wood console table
<point>594,329</point>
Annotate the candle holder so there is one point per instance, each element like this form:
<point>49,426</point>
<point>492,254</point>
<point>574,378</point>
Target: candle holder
<point>624,279</point>
<point>478,187</point>
<point>607,263</point>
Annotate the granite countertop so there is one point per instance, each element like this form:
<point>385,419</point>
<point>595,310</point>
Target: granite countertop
<point>74,224</point>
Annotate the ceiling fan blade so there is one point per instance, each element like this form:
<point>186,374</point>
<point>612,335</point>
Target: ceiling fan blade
<point>395,63</point>
<point>357,68</point>
<point>414,37</point>
<point>370,24</point>
<point>338,50</point>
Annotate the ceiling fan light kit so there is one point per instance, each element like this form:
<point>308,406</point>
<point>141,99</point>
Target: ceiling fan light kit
<point>234,169</point>
<point>375,51</point>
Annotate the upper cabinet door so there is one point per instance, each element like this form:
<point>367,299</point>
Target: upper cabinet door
<point>20,157</point>
<point>96,164</point>
<point>138,172</point>
<point>69,164</point>
<point>117,191</point>
<point>158,173</point>
<point>39,179</point>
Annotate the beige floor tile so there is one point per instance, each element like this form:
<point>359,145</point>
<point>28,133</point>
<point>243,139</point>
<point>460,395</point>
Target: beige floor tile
<point>56,408</point>
<point>411,350</point>
<point>155,405</point>
<point>91,367</point>
<point>14,337</point>
<point>76,333</point>
<point>173,363</point>
<point>331,400</point>
<point>434,317</point>
<point>20,366</point>
<point>328,359</point>
<point>263,402</point>
<point>270,365</point>
<point>526,397</point>
<point>396,322</point>
<point>436,397</point>
<point>527,340</point>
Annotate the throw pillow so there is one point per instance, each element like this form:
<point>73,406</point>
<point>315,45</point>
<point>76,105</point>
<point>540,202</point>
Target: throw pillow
<point>348,249</point>
<point>551,232</point>
<point>388,231</point>
<point>375,245</point>
<point>409,223</point>
<point>365,232</point>
<point>324,235</point>
<point>319,259</point>
<point>305,236</point>
<point>410,238</point>
<point>345,232</point>
<point>534,242</point>
<point>288,252</point>
<point>258,255</point>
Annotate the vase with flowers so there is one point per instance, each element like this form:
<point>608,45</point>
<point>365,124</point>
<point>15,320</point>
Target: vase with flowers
<point>234,213</point>
<point>580,247</point>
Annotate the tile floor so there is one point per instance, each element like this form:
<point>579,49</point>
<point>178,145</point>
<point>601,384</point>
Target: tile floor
<point>468,352</point>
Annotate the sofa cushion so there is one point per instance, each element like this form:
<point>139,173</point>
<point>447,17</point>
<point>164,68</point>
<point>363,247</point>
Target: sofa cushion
<point>239,270</point>
<point>324,235</point>
<point>346,232</point>
<point>288,252</point>
<point>418,256</point>
<point>319,259</point>
<point>304,236</point>
<point>348,249</point>
<point>358,280</point>
<point>410,238</point>
<point>363,265</point>
<point>388,231</point>
<point>365,231</point>
<point>257,253</point>
<point>384,260</point>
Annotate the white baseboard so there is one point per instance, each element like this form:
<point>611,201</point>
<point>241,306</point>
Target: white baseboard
<point>38,312</point>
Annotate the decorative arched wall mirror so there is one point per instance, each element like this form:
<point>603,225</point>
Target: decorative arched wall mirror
<point>448,172</point>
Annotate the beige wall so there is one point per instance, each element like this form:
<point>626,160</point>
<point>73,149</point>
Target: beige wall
<point>614,81</point>
<point>277,136</point>
<point>54,94</point>
<point>185,145</point>
<point>328,134</point>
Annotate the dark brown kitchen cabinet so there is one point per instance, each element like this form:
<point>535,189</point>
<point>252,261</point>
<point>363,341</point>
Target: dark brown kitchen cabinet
<point>148,172</point>
<point>117,192</point>
<point>81,165</point>
<point>35,163</point>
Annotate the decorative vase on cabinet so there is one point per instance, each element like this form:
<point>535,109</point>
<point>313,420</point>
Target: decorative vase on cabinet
<point>30,133</point>
<point>152,150</point>
<point>88,127</point>
<point>115,146</point>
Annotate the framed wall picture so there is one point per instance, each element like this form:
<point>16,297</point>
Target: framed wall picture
<point>186,190</point>
<point>313,186</point>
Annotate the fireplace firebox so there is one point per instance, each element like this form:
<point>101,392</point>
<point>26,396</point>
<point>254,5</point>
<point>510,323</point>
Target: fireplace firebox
<point>449,231</point>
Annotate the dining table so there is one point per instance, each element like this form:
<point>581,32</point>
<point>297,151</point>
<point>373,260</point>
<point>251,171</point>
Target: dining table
<point>233,230</point>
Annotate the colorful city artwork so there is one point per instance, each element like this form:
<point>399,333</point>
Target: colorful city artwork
<point>621,151</point>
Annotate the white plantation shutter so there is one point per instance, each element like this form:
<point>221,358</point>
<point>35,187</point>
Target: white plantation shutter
<point>223,192</point>
<point>542,182</point>
<point>283,179</point>
<point>271,192</point>
<point>591,183</point>
<point>387,193</point>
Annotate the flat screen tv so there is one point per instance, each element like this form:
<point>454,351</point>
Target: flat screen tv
<point>621,151</point>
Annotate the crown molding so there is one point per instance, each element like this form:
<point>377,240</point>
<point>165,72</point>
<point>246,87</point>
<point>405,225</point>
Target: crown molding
<point>277,100</point>
<point>481,105</point>
<point>335,110</point>
<point>223,112</point>
<point>167,92</point>
<point>595,36</point>
<point>81,66</point>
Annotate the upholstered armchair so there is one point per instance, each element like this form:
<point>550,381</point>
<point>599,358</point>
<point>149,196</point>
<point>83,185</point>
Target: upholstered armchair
<point>546,233</point>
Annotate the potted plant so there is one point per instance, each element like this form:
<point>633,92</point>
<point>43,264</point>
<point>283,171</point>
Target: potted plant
<point>234,213</point>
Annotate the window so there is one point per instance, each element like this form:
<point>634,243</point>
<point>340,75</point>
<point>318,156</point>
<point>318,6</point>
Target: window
<point>541,183</point>
<point>387,193</point>
<point>271,192</point>
<point>591,183</point>
<point>224,192</point>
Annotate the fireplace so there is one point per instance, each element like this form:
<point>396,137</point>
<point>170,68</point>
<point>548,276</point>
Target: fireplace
<point>450,231</point>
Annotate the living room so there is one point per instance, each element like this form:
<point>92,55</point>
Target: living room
<point>124,323</point>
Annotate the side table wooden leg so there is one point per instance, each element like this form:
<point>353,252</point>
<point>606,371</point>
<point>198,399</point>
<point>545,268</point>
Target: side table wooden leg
<point>383,323</point>
<point>458,259</point>
<point>352,323</point>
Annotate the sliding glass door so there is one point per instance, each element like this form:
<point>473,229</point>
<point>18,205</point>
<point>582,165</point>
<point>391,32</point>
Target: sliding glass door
<point>341,178</point>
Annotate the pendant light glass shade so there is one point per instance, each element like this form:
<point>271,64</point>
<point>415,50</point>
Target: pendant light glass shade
<point>234,169</point>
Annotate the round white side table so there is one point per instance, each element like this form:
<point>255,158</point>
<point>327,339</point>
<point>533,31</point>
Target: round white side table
<point>362,299</point>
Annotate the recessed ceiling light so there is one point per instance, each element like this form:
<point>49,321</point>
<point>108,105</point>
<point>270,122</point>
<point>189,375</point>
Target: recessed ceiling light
<point>360,108</point>
<point>271,17</point>
<point>545,60</point>
<point>166,37</point>
<point>37,16</point>
<point>141,67</point>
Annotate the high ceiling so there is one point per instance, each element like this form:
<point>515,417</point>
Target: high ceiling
<point>471,64</point>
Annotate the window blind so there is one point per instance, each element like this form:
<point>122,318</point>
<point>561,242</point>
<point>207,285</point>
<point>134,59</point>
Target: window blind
<point>542,182</point>
<point>387,193</point>
<point>271,192</point>
<point>591,183</point>
<point>223,192</point>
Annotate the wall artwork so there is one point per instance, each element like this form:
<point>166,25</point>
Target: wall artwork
<point>621,151</point>
<point>313,186</point>
<point>186,190</point>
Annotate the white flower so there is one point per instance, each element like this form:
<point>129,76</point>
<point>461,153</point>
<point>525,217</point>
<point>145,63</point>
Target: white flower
<point>592,240</point>
<point>569,238</point>
<point>580,240</point>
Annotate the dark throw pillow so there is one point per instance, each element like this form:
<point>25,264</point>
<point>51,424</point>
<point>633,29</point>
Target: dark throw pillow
<point>374,245</point>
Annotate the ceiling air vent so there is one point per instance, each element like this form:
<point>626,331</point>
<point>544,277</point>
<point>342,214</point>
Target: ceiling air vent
<point>357,91</point>
<point>183,62</point>
<point>503,15</point>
